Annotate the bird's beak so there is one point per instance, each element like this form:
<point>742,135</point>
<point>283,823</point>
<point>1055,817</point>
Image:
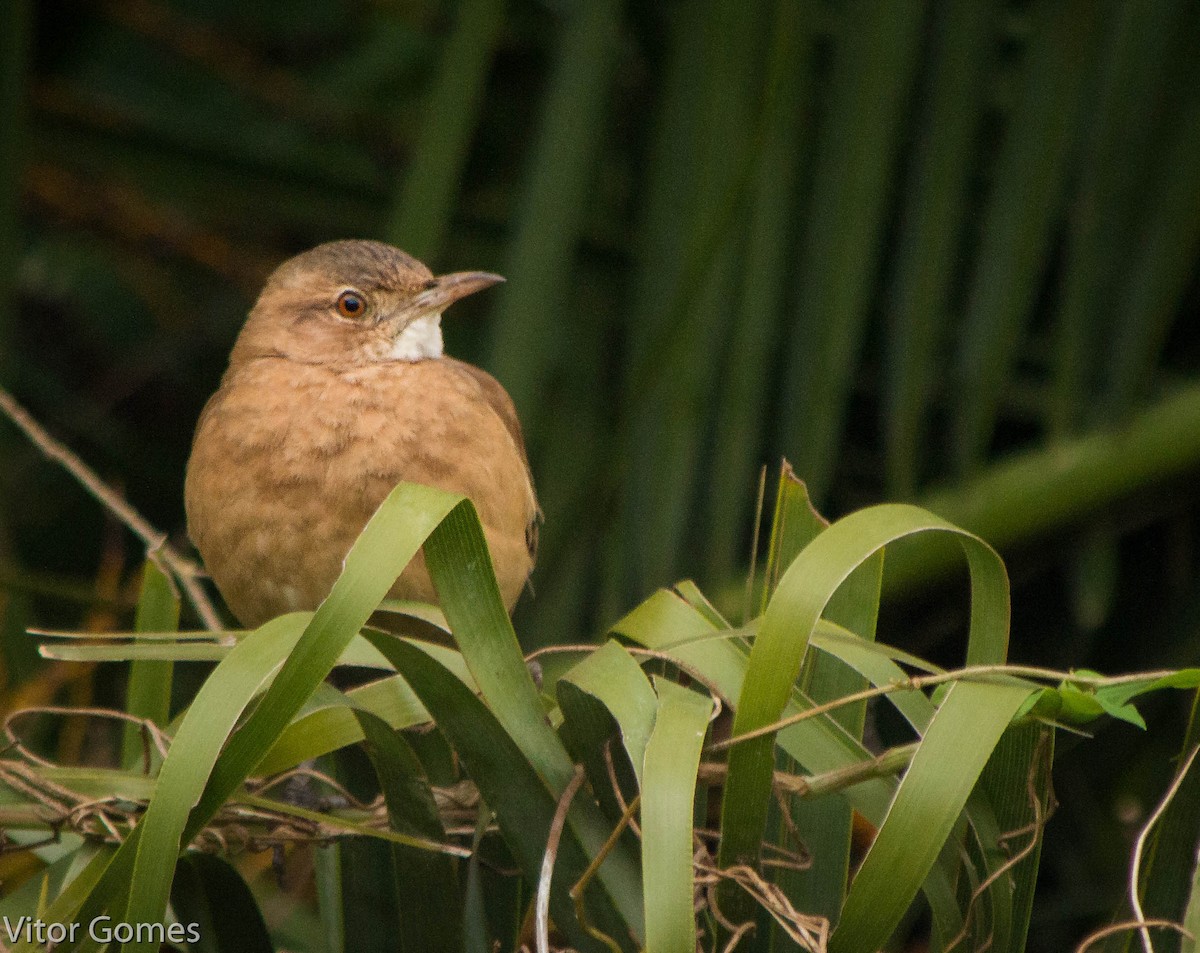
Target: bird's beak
<point>445,290</point>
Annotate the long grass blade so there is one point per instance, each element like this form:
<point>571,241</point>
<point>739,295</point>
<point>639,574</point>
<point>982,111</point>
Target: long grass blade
<point>668,793</point>
<point>761,286</point>
<point>873,72</point>
<point>149,691</point>
<point>935,788</point>
<point>775,660</point>
<point>420,220</point>
<point>522,802</point>
<point>1026,201</point>
<point>533,329</point>
<point>931,229</point>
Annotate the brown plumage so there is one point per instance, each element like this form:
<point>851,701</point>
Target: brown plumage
<point>336,391</point>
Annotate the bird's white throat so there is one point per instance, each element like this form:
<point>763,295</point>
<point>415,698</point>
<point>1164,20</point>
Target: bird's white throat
<point>420,340</point>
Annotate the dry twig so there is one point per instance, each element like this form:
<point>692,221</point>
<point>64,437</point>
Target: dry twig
<point>158,550</point>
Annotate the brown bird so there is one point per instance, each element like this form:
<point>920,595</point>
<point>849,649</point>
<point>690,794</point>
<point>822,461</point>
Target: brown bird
<point>337,390</point>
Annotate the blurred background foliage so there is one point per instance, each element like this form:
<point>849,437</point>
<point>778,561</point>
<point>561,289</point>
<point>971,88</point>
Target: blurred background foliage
<point>940,250</point>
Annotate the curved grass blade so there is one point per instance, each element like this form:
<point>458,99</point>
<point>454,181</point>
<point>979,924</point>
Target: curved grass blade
<point>592,737</point>
<point>218,705</point>
<point>522,802</point>
<point>193,774</point>
<point>612,676</point>
<point>668,793</point>
<point>666,623</point>
<point>802,595</point>
<point>825,825</point>
<point>326,723</point>
<point>458,560</point>
<point>931,797</point>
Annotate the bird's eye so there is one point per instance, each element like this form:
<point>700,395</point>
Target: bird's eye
<point>350,304</point>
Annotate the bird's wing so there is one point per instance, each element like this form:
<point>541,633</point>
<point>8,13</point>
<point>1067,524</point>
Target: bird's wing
<point>502,405</point>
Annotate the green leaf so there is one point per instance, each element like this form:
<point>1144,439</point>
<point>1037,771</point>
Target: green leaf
<point>149,693</point>
<point>149,856</point>
<point>612,676</point>
<point>875,64</point>
<point>421,219</point>
<point>955,749</point>
<point>795,608</point>
<point>192,770</point>
<point>666,623</point>
<point>326,723</point>
<point>426,883</point>
<point>668,792</point>
<point>523,804</point>
<point>1018,764</point>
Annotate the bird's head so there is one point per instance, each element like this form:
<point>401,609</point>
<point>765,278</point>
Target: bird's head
<point>353,303</point>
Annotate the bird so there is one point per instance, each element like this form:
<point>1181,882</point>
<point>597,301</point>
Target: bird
<point>337,390</point>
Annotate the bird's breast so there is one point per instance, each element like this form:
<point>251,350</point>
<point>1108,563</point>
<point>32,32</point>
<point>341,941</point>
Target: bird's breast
<point>290,460</point>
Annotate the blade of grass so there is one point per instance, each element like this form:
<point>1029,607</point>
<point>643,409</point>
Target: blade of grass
<point>874,68</point>
<point>531,337</point>
<point>803,593</point>
<point>420,218</point>
<point>149,691</point>
<point>1024,205</point>
<point>1168,873</point>
<point>461,569</point>
<point>935,788</point>
<point>666,623</point>
<point>426,883</point>
<point>930,230</point>
<point>213,902</point>
<point>220,702</point>
<point>611,675</point>
<point>824,825</point>
<point>1011,772</point>
<point>330,725</point>
<point>668,791</point>
<point>403,521</point>
<point>761,285</point>
<point>507,780</point>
